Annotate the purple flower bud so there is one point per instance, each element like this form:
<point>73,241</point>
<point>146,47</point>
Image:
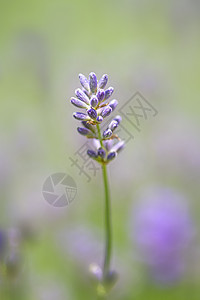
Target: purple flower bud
<point>99,119</point>
<point>96,143</point>
<point>86,92</point>
<point>93,82</point>
<point>108,92</point>
<point>88,126</point>
<point>80,116</point>
<point>82,96</point>
<point>84,131</point>
<point>94,101</point>
<point>107,133</point>
<point>118,147</point>
<point>111,155</point>
<point>96,272</point>
<point>101,152</point>
<point>106,111</point>
<point>92,113</point>
<point>103,81</point>
<point>113,125</point>
<point>100,95</point>
<point>108,144</point>
<point>118,119</point>
<point>78,103</point>
<point>92,153</point>
<point>113,104</point>
<point>84,82</point>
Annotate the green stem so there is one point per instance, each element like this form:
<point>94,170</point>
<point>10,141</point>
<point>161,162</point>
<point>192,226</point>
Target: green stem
<point>108,246</point>
<point>108,230</point>
<point>99,135</point>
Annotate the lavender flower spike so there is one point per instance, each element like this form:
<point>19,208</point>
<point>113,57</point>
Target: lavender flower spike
<point>94,99</point>
<point>93,82</point>
<point>106,146</point>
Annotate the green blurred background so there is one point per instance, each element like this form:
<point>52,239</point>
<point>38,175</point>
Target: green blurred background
<point>148,46</point>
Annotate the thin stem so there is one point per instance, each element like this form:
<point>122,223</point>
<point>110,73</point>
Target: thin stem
<point>108,246</point>
<point>108,230</point>
<point>99,135</point>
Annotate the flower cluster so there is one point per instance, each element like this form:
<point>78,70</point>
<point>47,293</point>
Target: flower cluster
<point>94,99</point>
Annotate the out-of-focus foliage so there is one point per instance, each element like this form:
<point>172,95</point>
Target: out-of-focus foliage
<point>148,46</point>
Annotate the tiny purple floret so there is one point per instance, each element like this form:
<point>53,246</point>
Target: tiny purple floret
<point>113,104</point>
<point>93,82</point>
<point>82,96</point>
<point>92,113</point>
<point>106,111</point>
<point>103,81</point>
<point>100,95</point>
<point>109,92</point>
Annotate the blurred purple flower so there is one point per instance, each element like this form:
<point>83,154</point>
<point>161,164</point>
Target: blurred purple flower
<point>82,244</point>
<point>3,244</point>
<point>163,232</point>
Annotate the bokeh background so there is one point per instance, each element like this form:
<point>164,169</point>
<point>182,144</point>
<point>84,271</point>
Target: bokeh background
<point>148,46</point>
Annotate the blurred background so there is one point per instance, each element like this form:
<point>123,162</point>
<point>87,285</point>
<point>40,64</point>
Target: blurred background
<point>150,47</point>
